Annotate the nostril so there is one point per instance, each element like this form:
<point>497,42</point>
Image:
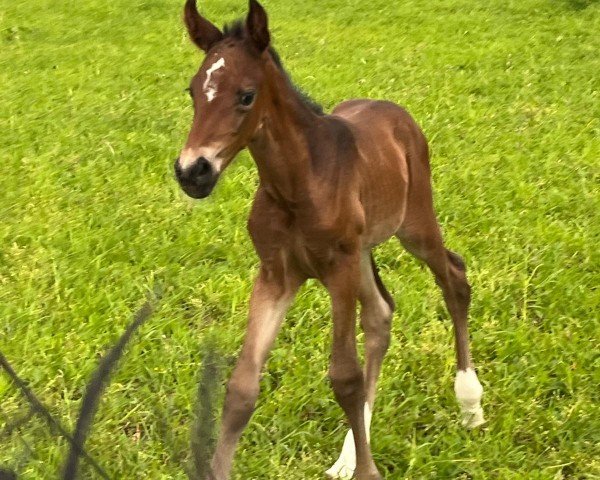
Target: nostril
<point>202,167</point>
<point>200,172</point>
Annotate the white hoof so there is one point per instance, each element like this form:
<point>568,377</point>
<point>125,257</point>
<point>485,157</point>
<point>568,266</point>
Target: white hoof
<point>344,472</point>
<point>345,465</point>
<point>472,417</point>
<point>469,392</point>
<point>341,472</point>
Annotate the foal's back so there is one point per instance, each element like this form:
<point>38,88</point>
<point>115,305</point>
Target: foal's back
<point>393,165</point>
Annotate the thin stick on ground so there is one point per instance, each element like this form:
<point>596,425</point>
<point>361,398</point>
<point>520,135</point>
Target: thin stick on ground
<point>95,388</point>
<point>40,409</point>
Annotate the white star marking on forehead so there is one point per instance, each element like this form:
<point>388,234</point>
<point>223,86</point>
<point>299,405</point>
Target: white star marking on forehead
<point>209,88</point>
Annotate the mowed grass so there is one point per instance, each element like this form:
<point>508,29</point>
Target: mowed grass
<point>92,113</point>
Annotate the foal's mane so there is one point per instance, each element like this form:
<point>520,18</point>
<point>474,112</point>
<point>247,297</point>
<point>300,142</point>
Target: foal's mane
<point>237,31</point>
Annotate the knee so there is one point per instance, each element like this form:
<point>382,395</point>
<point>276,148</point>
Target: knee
<point>378,342</point>
<point>458,276</point>
<point>377,332</point>
<point>346,381</point>
<point>456,261</point>
<point>240,398</point>
<point>456,284</point>
<point>463,291</point>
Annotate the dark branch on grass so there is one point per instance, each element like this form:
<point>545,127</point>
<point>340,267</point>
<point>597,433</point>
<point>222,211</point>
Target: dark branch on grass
<point>8,473</point>
<point>95,388</point>
<point>41,410</point>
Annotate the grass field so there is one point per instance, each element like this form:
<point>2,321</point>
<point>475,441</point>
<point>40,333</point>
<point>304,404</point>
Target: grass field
<point>92,112</point>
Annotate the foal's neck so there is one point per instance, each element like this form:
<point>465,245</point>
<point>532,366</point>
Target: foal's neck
<point>281,146</point>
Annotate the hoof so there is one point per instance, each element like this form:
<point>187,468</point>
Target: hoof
<point>468,393</point>
<point>345,465</point>
<point>340,471</point>
<point>373,475</point>
<point>472,417</point>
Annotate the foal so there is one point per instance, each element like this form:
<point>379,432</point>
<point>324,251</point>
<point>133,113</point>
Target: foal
<point>331,188</point>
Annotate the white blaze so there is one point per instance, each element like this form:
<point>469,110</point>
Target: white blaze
<point>209,87</point>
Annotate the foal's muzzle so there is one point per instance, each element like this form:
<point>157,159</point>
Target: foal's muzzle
<point>197,180</point>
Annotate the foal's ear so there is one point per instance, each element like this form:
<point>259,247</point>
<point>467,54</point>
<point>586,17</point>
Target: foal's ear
<point>257,25</point>
<point>202,32</point>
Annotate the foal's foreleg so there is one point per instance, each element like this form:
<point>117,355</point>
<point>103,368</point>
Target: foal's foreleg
<point>375,318</point>
<point>345,373</point>
<point>270,300</point>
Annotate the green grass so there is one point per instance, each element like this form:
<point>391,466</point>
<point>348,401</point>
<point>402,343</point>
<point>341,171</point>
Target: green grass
<point>92,112</point>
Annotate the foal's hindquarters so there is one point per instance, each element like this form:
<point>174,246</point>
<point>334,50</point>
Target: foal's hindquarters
<point>397,200</point>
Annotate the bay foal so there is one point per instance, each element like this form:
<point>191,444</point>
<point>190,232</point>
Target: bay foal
<point>331,188</point>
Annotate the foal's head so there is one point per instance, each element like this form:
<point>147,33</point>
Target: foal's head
<point>227,92</point>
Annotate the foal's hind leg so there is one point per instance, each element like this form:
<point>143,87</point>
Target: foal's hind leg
<point>375,318</point>
<point>425,242</point>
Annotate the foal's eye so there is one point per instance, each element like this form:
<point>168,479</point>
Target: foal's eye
<point>246,98</point>
<point>189,91</point>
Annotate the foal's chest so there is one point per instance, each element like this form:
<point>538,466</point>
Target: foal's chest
<point>316,246</point>
<point>310,256</point>
<point>308,237</point>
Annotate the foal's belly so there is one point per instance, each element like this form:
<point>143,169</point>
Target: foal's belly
<point>378,129</point>
<point>384,190</point>
<point>381,231</point>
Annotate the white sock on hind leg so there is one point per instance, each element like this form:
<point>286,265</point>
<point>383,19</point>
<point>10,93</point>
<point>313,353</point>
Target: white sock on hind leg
<point>469,392</point>
<point>345,465</point>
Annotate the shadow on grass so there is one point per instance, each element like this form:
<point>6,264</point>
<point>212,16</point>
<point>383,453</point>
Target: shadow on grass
<point>578,5</point>
<point>202,437</point>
